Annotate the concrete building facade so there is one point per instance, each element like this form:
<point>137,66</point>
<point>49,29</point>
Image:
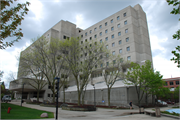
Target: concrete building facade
<point>125,33</point>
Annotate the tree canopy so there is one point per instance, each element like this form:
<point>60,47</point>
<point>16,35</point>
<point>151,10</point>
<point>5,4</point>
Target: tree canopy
<point>11,18</point>
<point>175,11</point>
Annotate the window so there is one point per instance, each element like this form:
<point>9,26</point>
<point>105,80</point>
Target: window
<point>49,95</point>
<point>107,55</point>
<point>95,66</point>
<point>95,29</point>
<point>107,46</point>
<point>118,17</point>
<point>49,86</point>
<point>106,31</point>
<point>113,52</point>
<point>81,36</point>
<point>124,14</point>
<point>81,42</point>
<point>85,54</point>
<point>120,51</point>
<point>119,33</point>
<point>171,83</point>
<point>106,24</point>
<point>106,38</point>
<point>165,84</point>
<point>85,40</point>
<point>128,48</point>
<point>114,61</point>
<point>118,25</point>
<point>113,44</point>
<point>126,30</point>
<point>90,38</point>
<point>81,55</point>
<point>86,34</point>
<point>127,39</point>
<point>177,82</point>
<point>112,21</point>
<point>112,36</point>
<point>64,37</point>
<point>107,63</point>
<point>125,22</point>
<point>121,60</point>
<point>100,26</point>
<point>129,58</point>
<point>100,33</point>
<point>112,28</point>
<point>101,64</point>
<point>90,45</point>
<point>101,41</point>
<point>95,36</point>
<point>90,31</point>
<point>120,41</point>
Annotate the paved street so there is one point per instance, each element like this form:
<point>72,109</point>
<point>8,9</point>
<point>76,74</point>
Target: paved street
<point>100,114</point>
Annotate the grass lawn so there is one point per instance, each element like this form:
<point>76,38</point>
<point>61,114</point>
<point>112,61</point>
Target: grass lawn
<point>18,112</point>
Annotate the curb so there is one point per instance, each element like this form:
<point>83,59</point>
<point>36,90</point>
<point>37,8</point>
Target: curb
<point>171,116</point>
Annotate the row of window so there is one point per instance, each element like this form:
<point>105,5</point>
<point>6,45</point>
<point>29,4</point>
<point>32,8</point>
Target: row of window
<point>112,37</point>
<point>172,83</point>
<point>112,28</point>
<point>114,62</point>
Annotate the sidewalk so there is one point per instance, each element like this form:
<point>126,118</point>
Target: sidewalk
<point>100,114</point>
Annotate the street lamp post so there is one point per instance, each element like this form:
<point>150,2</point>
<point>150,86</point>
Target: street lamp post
<point>22,94</point>
<point>57,97</point>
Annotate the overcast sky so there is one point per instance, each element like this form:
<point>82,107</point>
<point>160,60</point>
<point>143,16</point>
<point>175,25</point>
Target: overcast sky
<point>43,14</point>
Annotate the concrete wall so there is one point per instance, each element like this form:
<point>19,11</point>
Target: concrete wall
<point>120,96</point>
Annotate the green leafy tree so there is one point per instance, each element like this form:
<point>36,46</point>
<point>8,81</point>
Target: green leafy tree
<point>132,78</point>
<point>176,93</point>
<point>11,18</point>
<point>176,10</point>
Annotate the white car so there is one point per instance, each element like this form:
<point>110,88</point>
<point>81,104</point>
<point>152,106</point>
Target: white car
<point>162,102</point>
<point>6,98</point>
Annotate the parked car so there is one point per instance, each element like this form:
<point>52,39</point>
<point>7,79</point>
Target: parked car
<point>162,102</point>
<point>169,102</point>
<point>6,98</point>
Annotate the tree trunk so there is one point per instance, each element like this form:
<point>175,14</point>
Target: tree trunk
<point>109,90</point>
<point>53,97</point>
<point>146,99</point>
<point>64,94</point>
<point>37,95</point>
<point>79,99</point>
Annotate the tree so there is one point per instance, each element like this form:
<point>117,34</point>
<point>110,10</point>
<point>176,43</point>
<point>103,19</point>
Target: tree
<point>132,78</point>
<point>82,61</point>
<point>45,56</point>
<point>1,74</point>
<point>145,80</point>
<point>10,19</point>
<point>152,80</point>
<point>176,52</point>
<point>176,93</point>
<point>33,73</point>
<point>12,76</point>
<point>111,72</point>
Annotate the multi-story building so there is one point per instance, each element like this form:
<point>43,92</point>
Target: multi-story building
<point>125,33</point>
<point>172,83</point>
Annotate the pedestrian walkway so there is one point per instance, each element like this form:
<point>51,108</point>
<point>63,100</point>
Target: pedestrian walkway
<point>100,114</point>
